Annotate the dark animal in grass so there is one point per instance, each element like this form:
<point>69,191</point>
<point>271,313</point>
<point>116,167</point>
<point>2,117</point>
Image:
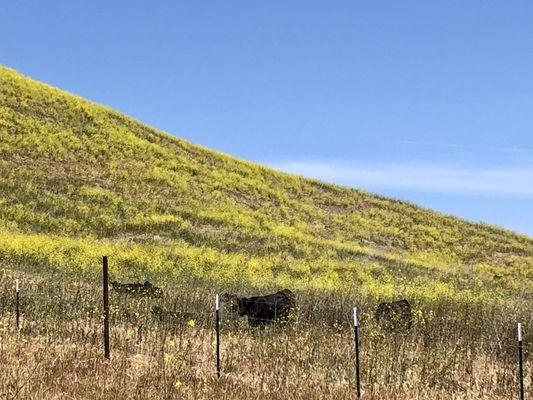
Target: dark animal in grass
<point>395,315</point>
<point>145,289</point>
<point>172,317</point>
<point>263,310</point>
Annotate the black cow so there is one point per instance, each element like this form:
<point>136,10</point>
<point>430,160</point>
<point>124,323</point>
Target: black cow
<point>145,289</point>
<point>395,315</point>
<point>263,310</point>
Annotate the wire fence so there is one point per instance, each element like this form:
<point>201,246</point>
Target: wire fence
<point>144,313</point>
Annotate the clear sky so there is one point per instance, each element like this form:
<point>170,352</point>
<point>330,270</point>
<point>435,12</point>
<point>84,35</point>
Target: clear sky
<point>429,101</point>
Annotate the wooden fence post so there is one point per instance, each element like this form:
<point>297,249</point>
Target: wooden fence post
<point>105,274</point>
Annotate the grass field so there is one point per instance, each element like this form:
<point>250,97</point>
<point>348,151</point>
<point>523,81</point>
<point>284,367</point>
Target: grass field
<point>454,351</point>
<point>78,181</point>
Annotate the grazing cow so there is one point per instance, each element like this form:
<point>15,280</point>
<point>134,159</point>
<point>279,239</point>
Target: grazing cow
<point>395,315</point>
<point>145,289</point>
<point>172,317</point>
<point>263,310</point>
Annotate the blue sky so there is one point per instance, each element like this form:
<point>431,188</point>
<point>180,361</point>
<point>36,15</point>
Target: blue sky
<point>428,101</point>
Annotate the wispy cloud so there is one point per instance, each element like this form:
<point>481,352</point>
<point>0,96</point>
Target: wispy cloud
<point>424,177</point>
<point>498,149</point>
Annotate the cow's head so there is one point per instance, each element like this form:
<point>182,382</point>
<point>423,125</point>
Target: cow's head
<point>232,300</point>
<point>157,311</point>
<point>241,306</point>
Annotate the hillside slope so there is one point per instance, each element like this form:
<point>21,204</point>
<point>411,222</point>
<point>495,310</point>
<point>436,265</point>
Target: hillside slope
<point>78,179</point>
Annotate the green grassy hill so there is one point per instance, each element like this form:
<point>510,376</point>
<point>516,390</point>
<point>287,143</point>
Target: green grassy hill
<point>78,180</point>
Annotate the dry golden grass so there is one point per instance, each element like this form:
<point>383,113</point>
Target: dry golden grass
<point>57,353</point>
